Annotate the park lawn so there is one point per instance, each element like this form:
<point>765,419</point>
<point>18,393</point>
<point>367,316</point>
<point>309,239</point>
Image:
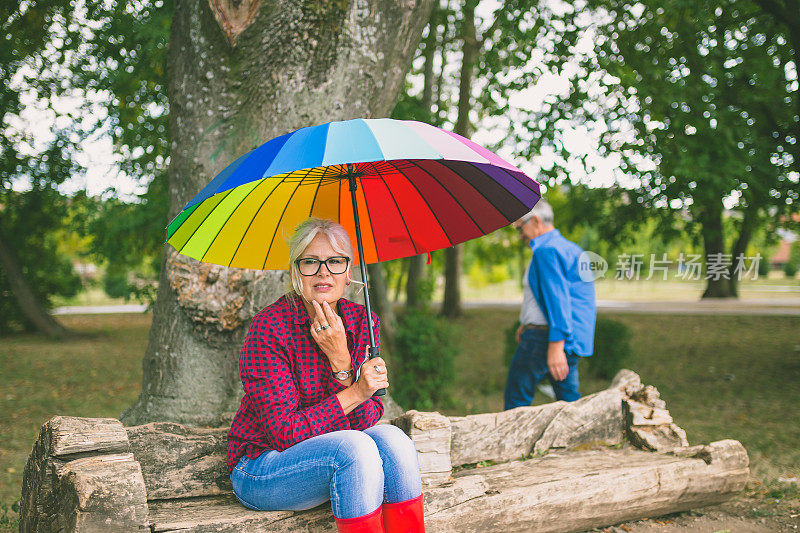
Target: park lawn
<point>88,297</point>
<point>721,376</point>
<point>96,375</point>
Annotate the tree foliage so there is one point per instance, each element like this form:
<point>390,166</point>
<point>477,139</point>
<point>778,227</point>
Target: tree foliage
<point>124,60</point>
<point>697,102</point>
<point>424,355</point>
<point>32,208</point>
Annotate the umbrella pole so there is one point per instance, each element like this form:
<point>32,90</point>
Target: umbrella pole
<point>373,350</point>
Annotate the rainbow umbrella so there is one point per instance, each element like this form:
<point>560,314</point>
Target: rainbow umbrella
<point>401,187</point>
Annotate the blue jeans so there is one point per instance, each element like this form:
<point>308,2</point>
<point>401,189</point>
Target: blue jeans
<point>529,367</point>
<point>356,470</point>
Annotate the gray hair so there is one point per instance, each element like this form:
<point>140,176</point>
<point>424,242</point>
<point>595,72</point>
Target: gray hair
<point>303,234</point>
<point>542,210</point>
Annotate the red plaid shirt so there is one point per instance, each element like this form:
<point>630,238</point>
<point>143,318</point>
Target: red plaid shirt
<point>289,388</point>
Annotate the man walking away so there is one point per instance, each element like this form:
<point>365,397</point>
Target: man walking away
<point>558,313</point>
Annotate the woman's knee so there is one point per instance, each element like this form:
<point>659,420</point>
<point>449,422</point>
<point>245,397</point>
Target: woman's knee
<point>356,448</point>
<point>400,463</point>
<point>393,442</point>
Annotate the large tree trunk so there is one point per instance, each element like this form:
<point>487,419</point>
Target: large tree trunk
<point>293,64</point>
<point>31,307</point>
<point>714,243</point>
<point>451,306</point>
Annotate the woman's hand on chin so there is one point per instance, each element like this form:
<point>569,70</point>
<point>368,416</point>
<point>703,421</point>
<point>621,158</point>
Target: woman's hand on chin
<point>332,339</point>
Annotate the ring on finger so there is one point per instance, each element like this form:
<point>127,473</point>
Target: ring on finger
<point>378,369</point>
<point>323,327</point>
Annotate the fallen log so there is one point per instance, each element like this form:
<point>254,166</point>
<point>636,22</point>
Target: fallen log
<point>94,474</point>
<point>576,491</point>
<point>564,491</point>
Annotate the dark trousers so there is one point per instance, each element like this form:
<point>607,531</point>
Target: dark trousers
<point>529,367</point>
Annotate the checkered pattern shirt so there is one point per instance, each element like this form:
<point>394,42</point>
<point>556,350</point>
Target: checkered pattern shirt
<point>289,388</point>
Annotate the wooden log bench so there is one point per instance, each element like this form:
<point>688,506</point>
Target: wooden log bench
<point>610,457</point>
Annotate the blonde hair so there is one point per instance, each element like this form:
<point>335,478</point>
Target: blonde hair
<point>303,234</point>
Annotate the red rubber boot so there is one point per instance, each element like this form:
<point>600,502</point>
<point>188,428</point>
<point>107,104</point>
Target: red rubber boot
<point>404,517</point>
<point>369,523</point>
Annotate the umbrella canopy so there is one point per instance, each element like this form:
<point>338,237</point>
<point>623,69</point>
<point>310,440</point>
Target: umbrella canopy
<point>418,189</point>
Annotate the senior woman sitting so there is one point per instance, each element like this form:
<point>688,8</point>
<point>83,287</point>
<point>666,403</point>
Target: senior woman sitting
<point>305,431</point>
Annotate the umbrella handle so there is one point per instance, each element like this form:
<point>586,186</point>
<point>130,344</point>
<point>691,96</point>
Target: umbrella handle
<point>373,352</point>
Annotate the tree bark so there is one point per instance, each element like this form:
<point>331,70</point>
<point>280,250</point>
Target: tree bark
<point>749,222</point>
<point>296,64</point>
<point>451,306</point>
<point>31,307</point>
<point>414,298</point>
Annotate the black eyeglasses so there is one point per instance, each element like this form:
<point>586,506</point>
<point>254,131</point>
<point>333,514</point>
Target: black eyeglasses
<point>309,266</point>
<point>519,227</point>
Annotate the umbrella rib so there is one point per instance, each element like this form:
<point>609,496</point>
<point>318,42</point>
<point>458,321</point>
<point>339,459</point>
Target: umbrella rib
<point>500,185</point>
<point>205,218</point>
<point>246,196</point>
<point>371,227</point>
<point>433,212</point>
<point>444,229</point>
<point>319,184</point>
<point>339,204</point>
<point>456,200</point>
<point>514,175</point>
<point>539,194</point>
<point>252,219</point>
<point>278,225</point>
<point>509,174</point>
<point>399,212</point>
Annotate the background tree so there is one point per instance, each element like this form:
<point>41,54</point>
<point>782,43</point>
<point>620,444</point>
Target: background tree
<point>698,101</point>
<point>32,270</point>
<point>123,59</point>
<point>459,49</point>
<point>420,108</point>
<point>111,56</point>
<point>32,208</point>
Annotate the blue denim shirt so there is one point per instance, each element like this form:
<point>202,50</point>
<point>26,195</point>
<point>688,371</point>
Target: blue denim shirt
<point>568,301</point>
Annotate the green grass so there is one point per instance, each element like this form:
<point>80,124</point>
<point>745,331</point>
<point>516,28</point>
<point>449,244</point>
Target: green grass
<point>96,375</point>
<point>721,376</point>
<point>90,296</point>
